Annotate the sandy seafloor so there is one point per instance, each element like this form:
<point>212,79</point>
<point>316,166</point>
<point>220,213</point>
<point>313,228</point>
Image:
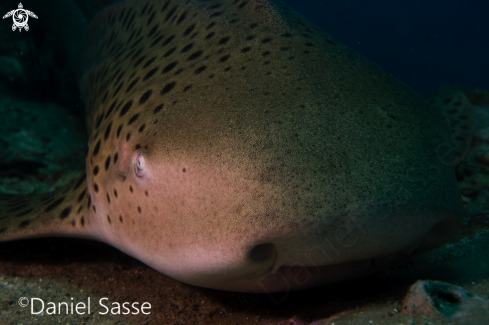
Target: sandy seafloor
<point>42,148</point>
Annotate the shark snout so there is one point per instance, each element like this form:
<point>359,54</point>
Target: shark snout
<point>330,252</point>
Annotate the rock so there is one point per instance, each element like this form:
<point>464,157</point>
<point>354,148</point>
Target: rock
<point>443,301</point>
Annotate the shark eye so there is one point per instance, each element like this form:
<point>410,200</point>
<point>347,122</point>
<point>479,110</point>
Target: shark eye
<point>140,166</point>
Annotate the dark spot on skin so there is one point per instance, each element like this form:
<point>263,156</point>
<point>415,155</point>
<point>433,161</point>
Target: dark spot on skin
<point>82,195</point>
<point>309,44</point>
<point>116,156</point>
<point>128,136</point>
<point>216,14</point>
<point>146,193</point>
<point>150,73</point>
<point>54,204</point>
<point>233,21</point>
<point>107,131</point>
<point>130,188</point>
<point>133,119</point>
<point>158,108</point>
<point>82,221</point>
<point>194,56</point>
<point>115,192</point>
<point>94,208</point>
<point>108,197</point>
<point>182,18</point>
<point>246,49</point>
<point>153,30</point>
<point>65,213</point>
<point>79,209</point>
<point>265,53</point>
<point>141,128</point>
<point>108,219</point>
<point>117,90</point>
<point>120,218</point>
<point>107,163</point>
<point>169,67</point>
<point>156,41</point>
<point>131,86</point>
<point>89,201</point>
<point>211,25</point>
<point>119,129</point>
<point>110,109</point>
<point>80,181</point>
<point>201,69</point>
<point>23,213</point>
<point>187,48</point>
<point>168,40</point>
<point>125,108</point>
<point>224,58</point>
<point>227,69</point>
<point>144,98</point>
<point>457,104</point>
<point>137,146</point>
<point>149,62</point>
<point>266,40</point>
<point>138,62</point>
<point>189,30</point>
<point>99,121</point>
<point>24,223</point>
<point>178,72</point>
<point>250,37</point>
<point>447,100</point>
<point>137,53</point>
<point>95,187</point>
<point>139,209</point>
<point>287,35</point>
<point>224,40</point>
<point>96,149</point>
<point>184,170</point>
<point>210,35</point>
<point>73,223</point>
<point>169,52</point>
<point>168,88</point>
<point>244,3</point>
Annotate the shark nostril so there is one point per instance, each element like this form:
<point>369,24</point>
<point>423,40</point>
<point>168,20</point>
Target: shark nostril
<point>262,252</point>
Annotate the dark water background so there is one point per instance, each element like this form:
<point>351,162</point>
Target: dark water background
<point>423,43</point>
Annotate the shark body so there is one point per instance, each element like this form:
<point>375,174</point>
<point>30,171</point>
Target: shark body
<point>234,145</point>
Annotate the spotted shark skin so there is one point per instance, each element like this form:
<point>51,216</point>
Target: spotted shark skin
<point>234,145</point>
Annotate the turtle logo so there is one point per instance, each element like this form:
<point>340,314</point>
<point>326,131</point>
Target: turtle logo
<point>20,17</point>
